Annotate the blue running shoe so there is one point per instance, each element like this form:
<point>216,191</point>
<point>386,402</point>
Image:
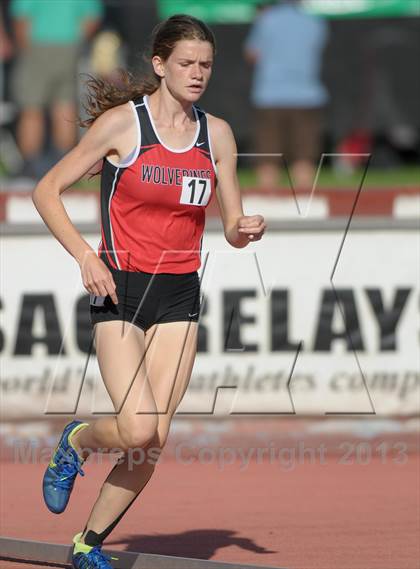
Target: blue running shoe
<point>89,557</point>
<point>62,470</point>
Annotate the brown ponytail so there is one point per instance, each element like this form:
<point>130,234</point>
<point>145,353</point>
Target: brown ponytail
<point>104,94</point>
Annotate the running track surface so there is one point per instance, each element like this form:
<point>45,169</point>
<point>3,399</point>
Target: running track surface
<point>313,516</point>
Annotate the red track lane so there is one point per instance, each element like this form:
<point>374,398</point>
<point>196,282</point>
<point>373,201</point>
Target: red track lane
<point>313,516</point>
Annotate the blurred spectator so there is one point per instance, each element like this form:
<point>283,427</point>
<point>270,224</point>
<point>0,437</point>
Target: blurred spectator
<point>48,36</point>
<point>133,22</point>
<point>286,46</point>
<point>106,55</point>
<point>6,45</point>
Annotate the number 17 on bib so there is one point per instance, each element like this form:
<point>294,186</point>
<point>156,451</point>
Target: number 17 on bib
<point>195,191</point>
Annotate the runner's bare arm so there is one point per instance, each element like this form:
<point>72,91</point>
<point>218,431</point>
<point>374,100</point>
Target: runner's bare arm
<point>102,138</point>
<point>239,229</point>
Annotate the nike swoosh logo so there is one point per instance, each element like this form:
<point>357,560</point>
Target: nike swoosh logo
<point>191,315</point>
<point>201,143</point>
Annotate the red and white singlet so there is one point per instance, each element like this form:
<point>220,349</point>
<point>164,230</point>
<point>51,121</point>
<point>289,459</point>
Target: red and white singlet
<point>153,204</point>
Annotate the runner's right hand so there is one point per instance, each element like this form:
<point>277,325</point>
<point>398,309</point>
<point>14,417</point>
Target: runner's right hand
<point>97,278</point>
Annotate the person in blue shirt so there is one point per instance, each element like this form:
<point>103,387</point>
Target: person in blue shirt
<point>285,44</point>
<point>48,35</point>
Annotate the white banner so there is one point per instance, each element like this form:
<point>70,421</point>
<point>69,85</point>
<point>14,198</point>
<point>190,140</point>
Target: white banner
<point>277,335</point>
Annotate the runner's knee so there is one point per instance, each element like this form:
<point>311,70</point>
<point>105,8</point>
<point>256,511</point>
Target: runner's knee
<point>139,434</point>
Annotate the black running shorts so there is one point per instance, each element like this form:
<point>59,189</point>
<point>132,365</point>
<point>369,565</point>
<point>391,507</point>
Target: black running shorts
<point>145,299</point>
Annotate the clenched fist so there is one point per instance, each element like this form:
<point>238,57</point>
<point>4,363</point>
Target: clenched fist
<point>252,225</point>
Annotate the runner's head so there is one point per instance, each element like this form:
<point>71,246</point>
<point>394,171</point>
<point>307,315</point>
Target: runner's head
<point>182,56</point>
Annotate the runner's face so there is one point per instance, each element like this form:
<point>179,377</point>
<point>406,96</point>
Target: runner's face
<point>188,69</point>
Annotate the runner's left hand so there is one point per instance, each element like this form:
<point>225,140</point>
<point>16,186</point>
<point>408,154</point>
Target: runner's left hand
<point>253,226</point>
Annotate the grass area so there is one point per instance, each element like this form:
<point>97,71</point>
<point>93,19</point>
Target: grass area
<point>328,178</point>
<point>375,178</point>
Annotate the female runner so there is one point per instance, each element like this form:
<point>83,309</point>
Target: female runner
<point>160,156</point>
